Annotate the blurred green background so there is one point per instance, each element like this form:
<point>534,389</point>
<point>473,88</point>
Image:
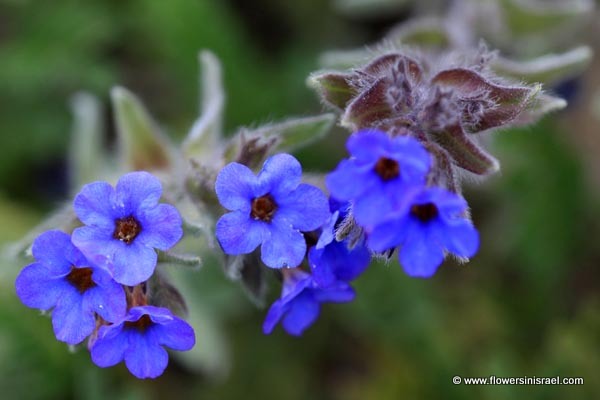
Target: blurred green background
<point>528,304</point>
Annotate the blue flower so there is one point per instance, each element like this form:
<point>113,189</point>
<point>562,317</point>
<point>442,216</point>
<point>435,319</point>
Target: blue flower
<point>378,174</point>
<point>300,302</point>
<point>269,210</point>
<point>125,225</point>
<point>331,260</point>
<point>434,222</point>
<point>62,279</point>
<point>140,338</point>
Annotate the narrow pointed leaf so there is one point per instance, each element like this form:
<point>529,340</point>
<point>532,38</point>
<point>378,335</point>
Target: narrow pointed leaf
<point>548,69</point>
<point>141,144</point>
<point>543,104</point>
<point>333,88</point>
<point>296,133</point>
<point>85,155</point>
<point>207,131</point>
<point>464,152</point>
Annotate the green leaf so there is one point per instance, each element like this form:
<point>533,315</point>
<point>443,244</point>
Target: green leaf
<point>296,133</point>
<point>542,104</point>
<point>142,145</point>
<point>251,147</point>
<point>86,155</point>
<point>207,131</point>
<point>548,69</point>
<point>423,32</point>
<point>334,88</point>
<point>183,260</point>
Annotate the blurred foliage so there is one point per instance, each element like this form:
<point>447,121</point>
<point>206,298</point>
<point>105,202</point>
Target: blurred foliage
<point>528,304</point>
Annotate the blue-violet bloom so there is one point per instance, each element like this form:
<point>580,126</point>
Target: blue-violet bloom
<point>300,302</point>
<point>124,226</point>
<point>62,279</point>
<point>270,210</point>
<point>331,260</point>
<point>139,339</point>
<point>434,223</point>
<point>377,175</point>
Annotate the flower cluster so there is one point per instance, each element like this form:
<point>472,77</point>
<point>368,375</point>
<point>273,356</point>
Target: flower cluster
<point>383,187</point>
<point>94,280</point>
<point>386,182</point>
<point>274,210</point>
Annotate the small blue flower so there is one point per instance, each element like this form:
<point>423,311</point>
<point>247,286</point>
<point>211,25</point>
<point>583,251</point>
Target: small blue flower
<point>378,174</point>
<point>125,225</point>
<point>331,260</point>
<point>433,223</point>
<point>269,210</point>
<point>300,302</point>
<point>63,279</point>
<point>140,338</point>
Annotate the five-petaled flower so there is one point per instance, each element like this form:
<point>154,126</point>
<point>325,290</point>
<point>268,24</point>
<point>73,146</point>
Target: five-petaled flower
<point>62,279</point>
<point>300,301</point>
<point>432,222</point>
<point>377,176</point>
<point>140,338</point>
<point>124,226</point>
<point>271,210</point>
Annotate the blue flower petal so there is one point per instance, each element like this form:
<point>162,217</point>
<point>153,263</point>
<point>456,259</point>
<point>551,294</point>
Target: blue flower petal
<point>235,186</point>
<point>420,257</point>
<point>341,292</point>
<point>372,207</point>
<point>51,248</point>
<point>72,320</point>
<point>97,245</point>
<point>321,267</point>
<point>348,181</point>
<point>346,264</point>
<point>368,145</point>
<point>328,231</point>
<point>145,358</point>
<point>276,311</point>
<point>137,190</point>
<point>161,227</point>
<point>109,349</point>
<point>461,238</point>
<point>176,335</point>
<point>388,234</point>
<point>237,233</point>
<point>303,312</point>
<point>280,175</point>
<point>95,205</point>
<point>305,208</point>
<point>38,288</point>
<point>285,248</point>
<point>132,263</point>
<point>107,300</point>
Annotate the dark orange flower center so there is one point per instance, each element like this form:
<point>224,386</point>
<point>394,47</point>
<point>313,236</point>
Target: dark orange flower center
<point>263,208</point>
<point>387,168</point>
<point>126,229</point>
<point>424,212</point>
<point>81,278</point>
<point>141,324</point>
